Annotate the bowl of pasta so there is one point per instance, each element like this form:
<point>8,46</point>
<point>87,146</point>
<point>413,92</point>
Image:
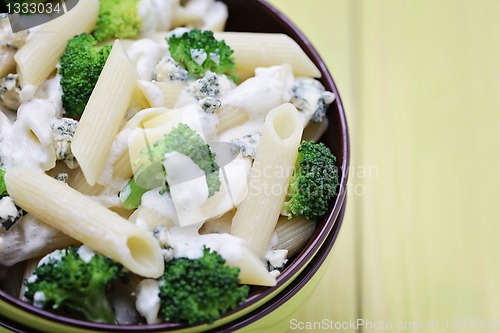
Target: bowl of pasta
<point>164,166</point>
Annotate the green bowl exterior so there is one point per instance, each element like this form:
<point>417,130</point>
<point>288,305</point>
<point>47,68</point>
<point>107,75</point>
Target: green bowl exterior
<point>279,320</point>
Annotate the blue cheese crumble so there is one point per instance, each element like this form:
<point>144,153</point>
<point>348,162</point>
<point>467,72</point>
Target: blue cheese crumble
<point>10,92</point>
<point>62,133</point>
<point>206,91</point>
<point>310,97</point>
<point>9,212</point>
<point>169,70</point>
<point>198,55</point>
<point>248,144</point>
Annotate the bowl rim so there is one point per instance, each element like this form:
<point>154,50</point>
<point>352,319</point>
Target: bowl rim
<point>302,259</point>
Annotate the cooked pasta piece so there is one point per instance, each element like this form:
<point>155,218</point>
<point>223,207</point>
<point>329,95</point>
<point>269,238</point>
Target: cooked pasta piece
<point>85,220</point>
<point>258,214</point>
<point>10,42</point>
<point>149,218</point>
<point>38,58</point>
<point>171,91</point>
<point>314,131</point>
<point>79,183</point>
<point>104,114</point>
<point>29,238</point>
<point>29,267</point>
<point>252,50</point>
<point>293,234</point>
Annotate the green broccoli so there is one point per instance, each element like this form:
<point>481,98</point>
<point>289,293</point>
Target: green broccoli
<point>199,290</point>
<point>198,51</point>
<point>67,281</point>
<point>117,19</point>
<point>3,188</point>
<point>150,172</point>
<point>81,65</point>
<point>314,182</point>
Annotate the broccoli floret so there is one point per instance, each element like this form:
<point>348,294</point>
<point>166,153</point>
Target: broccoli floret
<point>10,213</point>
<point>198,51</point>
<point>314,182</point>
<point>150,171</point>
<point>199,290</point>
<point>81,65</point>
<point>117,19</point>
<point>75,283</point>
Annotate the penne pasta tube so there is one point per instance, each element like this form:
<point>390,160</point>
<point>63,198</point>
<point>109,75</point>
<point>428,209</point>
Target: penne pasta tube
<point>293,234</point>
<point>252,50</point>
<point>22,242</point>
<point>171,91</point>
<point>38,58</point>
<point>230,116</point>
<point>150,218</point>
<point>85,220</point>
<point>79,183</point>
<point>257,215</point>
<point>104,113</point>
<point>29,267</point>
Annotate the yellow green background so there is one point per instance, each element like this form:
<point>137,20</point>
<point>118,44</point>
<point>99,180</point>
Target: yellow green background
<point>420,82</point>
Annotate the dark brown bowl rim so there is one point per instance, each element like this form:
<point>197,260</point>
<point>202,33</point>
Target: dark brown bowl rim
<point>320,236</point>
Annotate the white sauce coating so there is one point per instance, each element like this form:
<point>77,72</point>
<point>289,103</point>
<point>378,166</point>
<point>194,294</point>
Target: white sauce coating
<point>39,299</point>
<point>188,186</point>
<point>156,15</point>
<point>146,53</point>
<point>86,253</point>
<point>148,300</point>
<point>187,243</point>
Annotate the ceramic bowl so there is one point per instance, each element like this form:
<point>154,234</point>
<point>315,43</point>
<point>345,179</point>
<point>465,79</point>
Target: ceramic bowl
<point>266,307</point>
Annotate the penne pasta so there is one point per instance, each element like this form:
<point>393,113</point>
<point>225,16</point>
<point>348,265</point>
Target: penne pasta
<point>104,113</point>
<point>150,218</point>
<point>257,215</point>
<point>85,220</point>
<point>29,267</point>
<point>22,242</point>
<point>293,234</point>
<point>252,50</point>
<point>171,91</point>
<point>38,58</point>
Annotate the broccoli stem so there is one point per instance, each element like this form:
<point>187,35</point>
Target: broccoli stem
<point>134,192</point>
<point>93,306</point>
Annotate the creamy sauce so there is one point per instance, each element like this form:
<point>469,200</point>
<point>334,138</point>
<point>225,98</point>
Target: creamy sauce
<point>188,186</point>
<point>28,141</point>
<point>156,15</point>
<point>148,300</point>
<point>86,253</point>
<point>146,53</point>
<point>160,203</point>
<point>187,243</point>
